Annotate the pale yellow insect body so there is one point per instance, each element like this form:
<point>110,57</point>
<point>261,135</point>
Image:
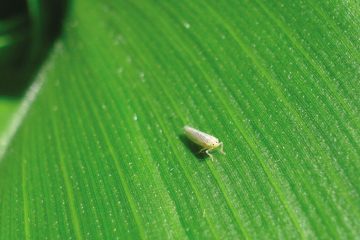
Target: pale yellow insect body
<point>206,141</point>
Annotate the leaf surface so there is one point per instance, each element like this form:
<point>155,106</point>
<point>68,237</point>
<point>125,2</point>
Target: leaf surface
<point>101,153</point>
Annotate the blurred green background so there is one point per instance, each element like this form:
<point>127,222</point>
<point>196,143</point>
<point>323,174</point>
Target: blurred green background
<point>27,32</point>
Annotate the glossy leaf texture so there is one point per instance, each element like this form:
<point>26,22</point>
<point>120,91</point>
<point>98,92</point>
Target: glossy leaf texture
<point>100,153</point>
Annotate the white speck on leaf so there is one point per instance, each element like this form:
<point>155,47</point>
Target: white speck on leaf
<point>120,70</point>
<point>187,25</point>
<point>119,39</point>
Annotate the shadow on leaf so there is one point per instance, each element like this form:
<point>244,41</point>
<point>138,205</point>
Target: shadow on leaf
<point>195,149</point>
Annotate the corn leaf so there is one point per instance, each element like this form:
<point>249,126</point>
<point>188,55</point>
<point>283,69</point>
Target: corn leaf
<point>100,151</point>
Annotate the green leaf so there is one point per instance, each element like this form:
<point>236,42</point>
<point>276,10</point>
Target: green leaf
<point>7,109</point>
<point>100,152</point>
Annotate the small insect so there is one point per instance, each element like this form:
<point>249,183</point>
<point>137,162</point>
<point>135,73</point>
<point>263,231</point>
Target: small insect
<point>206,141</point>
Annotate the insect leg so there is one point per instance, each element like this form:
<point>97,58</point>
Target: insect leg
<point>201,150</point>
<point>210,155</point>
<point>222,148</point>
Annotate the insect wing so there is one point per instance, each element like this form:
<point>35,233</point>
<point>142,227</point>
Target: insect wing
<point>200,138</point>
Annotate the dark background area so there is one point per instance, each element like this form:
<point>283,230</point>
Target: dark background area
<point>27,32</point>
